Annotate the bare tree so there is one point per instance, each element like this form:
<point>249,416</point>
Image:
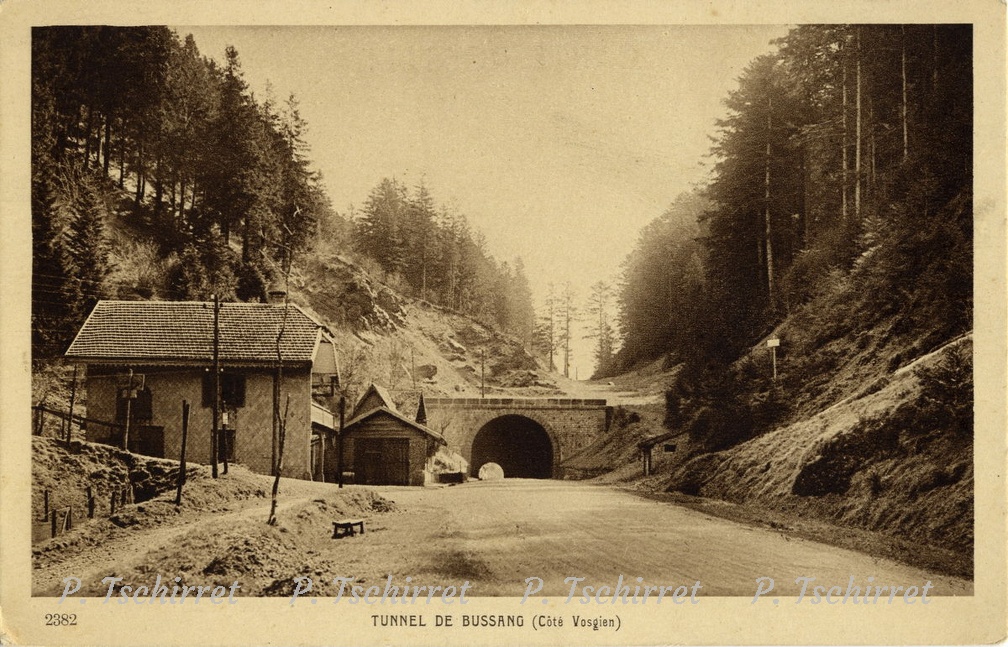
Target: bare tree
<point>568,314</point>
<point>280,422</point>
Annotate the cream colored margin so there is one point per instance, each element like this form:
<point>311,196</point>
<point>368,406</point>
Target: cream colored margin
<point>980,618</point>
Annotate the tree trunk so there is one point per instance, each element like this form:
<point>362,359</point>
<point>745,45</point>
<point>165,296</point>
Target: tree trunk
<point>766,206</point>
<point>87,138</point>
<point>158,193</point>
<point>903,105</point>
<point>122,155</point>
<point>857,132</point>
<point>871,146</point>
<point>139,175</point>
<point>934,58</point>
<point>806,220</point>
<point>108,143</point>
<point>246,238</point>
<point>181,202</point>
<point>846,164</point>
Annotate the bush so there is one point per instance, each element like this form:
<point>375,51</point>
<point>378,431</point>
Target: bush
<point>947,389</point>
<point>838,458</point>
<point>251,283</point>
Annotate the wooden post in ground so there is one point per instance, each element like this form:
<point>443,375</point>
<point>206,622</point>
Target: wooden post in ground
<point>182,462</point>
<point>69,519</point>
<point>216,385</point>
<point>112,502</point>
<point>53,523</point>
<point>339,449</point>
<point>73,393</point>
<point>129,402</point>
<point>90,502</point>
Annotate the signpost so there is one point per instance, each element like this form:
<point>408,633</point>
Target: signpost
<point>129,386</point>
<point>773,344</point>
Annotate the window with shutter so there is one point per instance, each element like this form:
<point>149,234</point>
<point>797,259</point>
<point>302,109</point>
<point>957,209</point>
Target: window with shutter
<point>232,386</point>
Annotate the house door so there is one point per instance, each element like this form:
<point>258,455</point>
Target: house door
<point>383,461</point>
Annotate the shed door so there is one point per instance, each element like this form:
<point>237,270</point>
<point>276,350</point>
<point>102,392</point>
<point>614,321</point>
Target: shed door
<point>383,461</point>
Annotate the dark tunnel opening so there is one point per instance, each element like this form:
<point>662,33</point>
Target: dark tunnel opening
<point>518,444</point>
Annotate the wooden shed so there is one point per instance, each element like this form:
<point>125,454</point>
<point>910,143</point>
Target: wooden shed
<point>384,447</point>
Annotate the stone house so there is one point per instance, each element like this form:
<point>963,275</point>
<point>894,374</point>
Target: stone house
<point>146,357</point>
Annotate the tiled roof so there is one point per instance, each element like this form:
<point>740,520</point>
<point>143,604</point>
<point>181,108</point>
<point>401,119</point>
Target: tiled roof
<point>183,331</point>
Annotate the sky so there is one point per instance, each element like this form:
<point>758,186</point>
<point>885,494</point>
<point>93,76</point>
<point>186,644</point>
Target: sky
<point>559,143</point>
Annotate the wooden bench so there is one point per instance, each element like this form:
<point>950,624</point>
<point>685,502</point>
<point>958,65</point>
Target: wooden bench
<point>345,527</point>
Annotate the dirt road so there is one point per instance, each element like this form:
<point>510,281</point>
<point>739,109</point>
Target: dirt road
<point>493,534</point>
<point>497,534</point>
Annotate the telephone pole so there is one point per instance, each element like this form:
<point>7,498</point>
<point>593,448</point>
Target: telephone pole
<point>216,383</point>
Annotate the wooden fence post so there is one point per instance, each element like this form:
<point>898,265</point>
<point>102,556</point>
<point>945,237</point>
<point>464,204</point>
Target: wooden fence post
<point>112,502</point>
<point>90,502</point>
<point>53,523</point>
<point>69,519</point>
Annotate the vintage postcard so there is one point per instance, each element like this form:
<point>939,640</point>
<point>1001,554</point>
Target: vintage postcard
<point>512,323</point>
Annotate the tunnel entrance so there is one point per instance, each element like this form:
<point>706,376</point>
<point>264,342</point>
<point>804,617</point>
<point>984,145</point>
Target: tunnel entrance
<point>518,444</point>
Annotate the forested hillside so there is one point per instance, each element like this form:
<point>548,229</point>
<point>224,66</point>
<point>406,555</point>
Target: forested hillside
<point>157,173</point>
<point>838,212</point>
<point>837,222</point>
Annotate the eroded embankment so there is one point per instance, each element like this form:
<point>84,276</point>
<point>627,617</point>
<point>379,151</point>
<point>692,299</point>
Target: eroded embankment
<point>886,462</point>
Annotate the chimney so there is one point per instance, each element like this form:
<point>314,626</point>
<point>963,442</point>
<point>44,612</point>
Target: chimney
<point>276,295</point>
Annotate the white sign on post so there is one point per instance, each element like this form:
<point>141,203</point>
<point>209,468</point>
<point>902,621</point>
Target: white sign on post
<point>773,343</point>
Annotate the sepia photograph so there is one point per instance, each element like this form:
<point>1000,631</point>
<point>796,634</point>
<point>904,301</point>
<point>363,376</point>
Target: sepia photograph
<point>497,333</point>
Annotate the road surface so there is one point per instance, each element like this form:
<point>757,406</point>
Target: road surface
<point>497,534</point>
<point>494,535</point>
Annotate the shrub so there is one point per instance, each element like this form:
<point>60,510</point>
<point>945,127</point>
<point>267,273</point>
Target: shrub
<point>947,388</point>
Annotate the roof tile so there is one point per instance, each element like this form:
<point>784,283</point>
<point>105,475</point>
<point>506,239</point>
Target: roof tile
<point>183,330</point>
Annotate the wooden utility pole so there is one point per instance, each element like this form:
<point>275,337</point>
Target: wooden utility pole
<point>182,457</point>
<point>129,401</point>
<point>216,383</point>
<point>73,394</point>
<point>339,447</point>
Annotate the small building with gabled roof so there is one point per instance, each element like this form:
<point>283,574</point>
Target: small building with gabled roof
<point>382,446</point>
<point>167,347</point>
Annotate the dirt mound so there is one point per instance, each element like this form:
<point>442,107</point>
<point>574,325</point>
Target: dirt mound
<point>66,473</point>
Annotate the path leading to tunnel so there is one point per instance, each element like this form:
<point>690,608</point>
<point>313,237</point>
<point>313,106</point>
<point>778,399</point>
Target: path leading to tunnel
<point>496,534</point>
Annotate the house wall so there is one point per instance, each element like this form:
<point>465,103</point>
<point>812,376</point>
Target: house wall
<point>384,426</point>
<point>253,422</point>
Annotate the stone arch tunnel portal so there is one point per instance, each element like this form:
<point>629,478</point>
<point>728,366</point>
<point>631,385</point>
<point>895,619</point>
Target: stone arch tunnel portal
<point>518,444</point>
